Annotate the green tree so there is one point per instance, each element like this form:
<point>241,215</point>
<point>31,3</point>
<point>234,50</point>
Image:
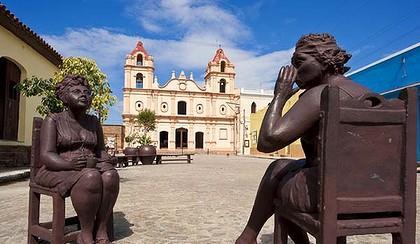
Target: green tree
<point>146,121</point>
<point>45,88</point>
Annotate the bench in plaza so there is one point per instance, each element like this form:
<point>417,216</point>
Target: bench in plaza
<point>173,157</point>
<point>123,160</point>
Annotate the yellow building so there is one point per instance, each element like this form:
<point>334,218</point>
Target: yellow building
<point>293,150</point>
<point>23,54</point>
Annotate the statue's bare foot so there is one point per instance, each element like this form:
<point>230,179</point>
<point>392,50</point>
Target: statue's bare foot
<point>248,236</point>
<point>244,240</point>
<point>84,239</point>
<point>102,238</point>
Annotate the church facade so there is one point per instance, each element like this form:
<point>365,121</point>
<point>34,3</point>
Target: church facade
<point>190,116</point>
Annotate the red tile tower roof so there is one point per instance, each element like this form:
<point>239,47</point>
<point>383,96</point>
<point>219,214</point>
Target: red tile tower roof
<point>139,48</point>
<point>23,32</point>
<point>220,54</point>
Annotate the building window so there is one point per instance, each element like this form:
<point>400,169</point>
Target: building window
<point>223,109</point>
<point>139,59</point>
<point>200,108</point>
<point>222,66</point>
<point>223,135</point>
<point>222,86</point>
<point>182,108</point>
<point>253,108</point>
<point>139,80</point>
<point>164,107</point>
<point>139,106</point>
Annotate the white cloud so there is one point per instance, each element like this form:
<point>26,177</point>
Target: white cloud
<point>200,25</point>
<point>190,19</point>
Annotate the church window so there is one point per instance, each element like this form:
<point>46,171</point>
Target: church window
<point>222,66</point>
<point>222,86</point>
<point>223,109</point>
<point>200,108</point>
<point>139,59</point>
<point>139,106</point>
<point>182,108</point>
<point>139,80</point>
<point>164,107</point>
<point>253,108</point>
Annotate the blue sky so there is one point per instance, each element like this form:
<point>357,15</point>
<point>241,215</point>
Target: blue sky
<point>258,36</point>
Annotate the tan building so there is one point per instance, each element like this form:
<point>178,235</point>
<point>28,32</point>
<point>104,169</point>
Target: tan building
<point>294,150</point>
<point>23,54</point>
<point>189,116</point>
<point>114,138</point>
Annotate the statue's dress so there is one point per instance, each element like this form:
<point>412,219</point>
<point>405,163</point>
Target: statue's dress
<point>73,141</point>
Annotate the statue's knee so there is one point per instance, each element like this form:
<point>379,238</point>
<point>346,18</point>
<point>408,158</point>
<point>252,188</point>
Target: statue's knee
<point>111,178</point>
<point>92,181</point>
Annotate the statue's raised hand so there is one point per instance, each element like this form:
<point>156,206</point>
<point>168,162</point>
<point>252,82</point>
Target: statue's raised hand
<point>284,83</point>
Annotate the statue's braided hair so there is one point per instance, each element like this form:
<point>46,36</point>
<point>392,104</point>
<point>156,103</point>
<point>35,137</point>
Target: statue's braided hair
<point>62,88</point>
<point>323,47</point>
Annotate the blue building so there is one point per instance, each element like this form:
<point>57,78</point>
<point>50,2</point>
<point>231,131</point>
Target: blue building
<point>391,74</point>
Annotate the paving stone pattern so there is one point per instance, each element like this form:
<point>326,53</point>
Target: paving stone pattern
<point>207,201</point>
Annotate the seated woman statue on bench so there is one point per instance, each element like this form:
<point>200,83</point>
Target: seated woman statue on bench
<point>75,161</point>
<point>317,63</point>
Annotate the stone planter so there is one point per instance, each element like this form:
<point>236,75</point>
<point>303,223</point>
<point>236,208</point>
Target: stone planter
<point>147,154</point>
<point>130,151</point>
<point>132,154</point>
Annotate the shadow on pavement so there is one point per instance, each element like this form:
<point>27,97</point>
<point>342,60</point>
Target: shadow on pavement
<point>268,239</point>
<point>122,227</point>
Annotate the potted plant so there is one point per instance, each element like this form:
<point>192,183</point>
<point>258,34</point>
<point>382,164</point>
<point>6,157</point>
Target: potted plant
<point>146,121</point>
<point>130,150</point>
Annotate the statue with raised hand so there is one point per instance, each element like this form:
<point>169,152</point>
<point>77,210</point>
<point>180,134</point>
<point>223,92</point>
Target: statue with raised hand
<point>317,62</point>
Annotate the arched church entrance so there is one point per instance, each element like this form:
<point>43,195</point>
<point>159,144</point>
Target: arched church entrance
<point>199,140</point>
<point>181,138</point>
<point>163,139</point>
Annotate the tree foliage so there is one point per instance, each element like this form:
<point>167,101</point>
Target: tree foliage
<point>45,88</point>
<point>146,121</point>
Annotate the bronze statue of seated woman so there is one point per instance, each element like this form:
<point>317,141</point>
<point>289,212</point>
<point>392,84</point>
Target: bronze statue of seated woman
<point>317,63</point>
<point>75,161</point>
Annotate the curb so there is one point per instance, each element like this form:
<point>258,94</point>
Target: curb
<point>14,176</point>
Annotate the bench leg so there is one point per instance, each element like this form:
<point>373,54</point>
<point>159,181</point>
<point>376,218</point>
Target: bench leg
<point>158,159</point>
<point>189,159</point>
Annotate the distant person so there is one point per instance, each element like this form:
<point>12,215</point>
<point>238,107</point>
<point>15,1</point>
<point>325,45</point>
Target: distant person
<point>317,63</point>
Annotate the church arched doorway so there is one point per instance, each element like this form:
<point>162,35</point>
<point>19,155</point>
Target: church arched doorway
<point>163,139</point>
<point>181,138</point>
<point>199,142</point>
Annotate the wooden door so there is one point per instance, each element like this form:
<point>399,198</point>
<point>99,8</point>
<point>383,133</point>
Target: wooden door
<point>9,103</point>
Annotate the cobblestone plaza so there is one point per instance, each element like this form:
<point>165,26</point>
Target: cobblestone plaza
<point>207,201</point>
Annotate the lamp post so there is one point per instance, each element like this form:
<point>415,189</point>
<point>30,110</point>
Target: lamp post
<point>236,109</point>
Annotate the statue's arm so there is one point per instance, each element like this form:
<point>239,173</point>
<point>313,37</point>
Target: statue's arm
<point>48,148</point>
<point>278,131</point>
